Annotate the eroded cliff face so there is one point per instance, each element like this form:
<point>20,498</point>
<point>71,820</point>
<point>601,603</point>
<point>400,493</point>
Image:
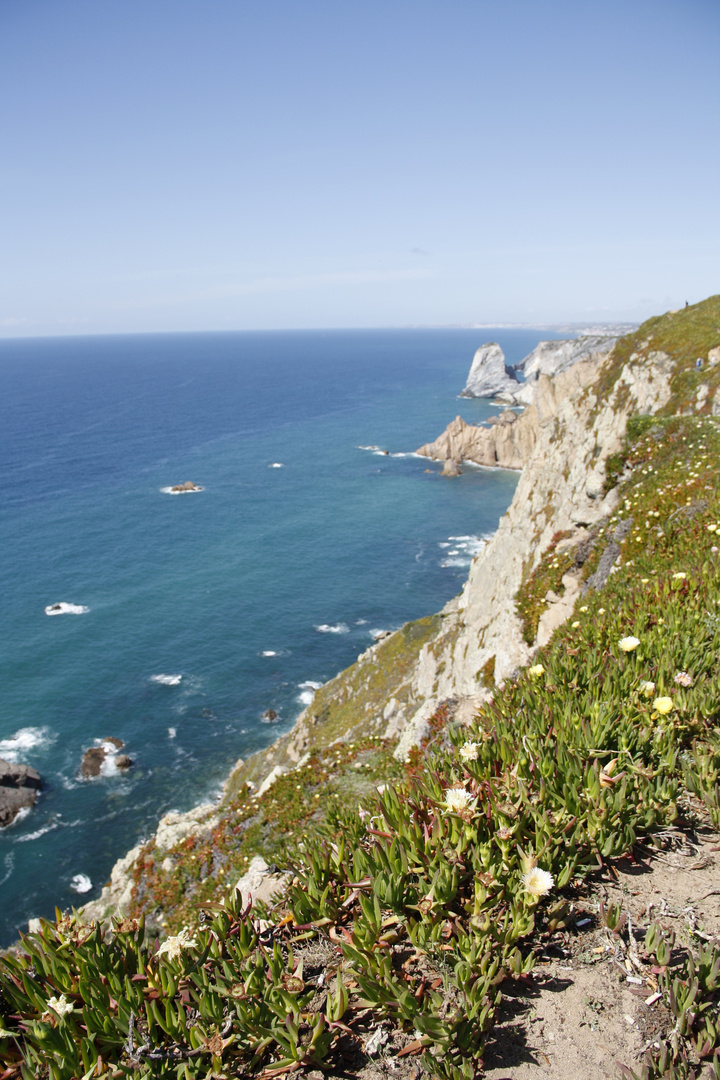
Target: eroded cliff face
<point>568,434</point>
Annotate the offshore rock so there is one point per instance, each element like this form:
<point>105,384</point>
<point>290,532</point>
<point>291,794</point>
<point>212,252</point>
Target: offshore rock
<point>489,374</point>
<point>19,785</point>
<point>451,468</point>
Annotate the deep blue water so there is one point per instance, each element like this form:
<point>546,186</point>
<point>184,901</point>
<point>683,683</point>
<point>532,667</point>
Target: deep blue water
<point>202,585</point>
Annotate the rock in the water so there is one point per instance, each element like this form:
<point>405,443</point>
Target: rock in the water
<point>269,716</point>
<point>187,486</point>
<point>95,760</point>
<point>19,785</point>
<point>489,374</point>
<point>451,468</point>
<point>92,762</point>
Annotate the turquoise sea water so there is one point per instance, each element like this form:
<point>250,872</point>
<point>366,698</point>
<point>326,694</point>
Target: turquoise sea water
<point>207,609</point>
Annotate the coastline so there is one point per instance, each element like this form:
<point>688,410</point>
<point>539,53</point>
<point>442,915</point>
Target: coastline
<point>455,658</point>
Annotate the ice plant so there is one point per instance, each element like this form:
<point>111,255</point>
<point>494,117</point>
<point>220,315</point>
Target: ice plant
<point>469,751</point>
<point>537,882</point>
<point>174,946</point>
<point>680,576</point>
<point>536,671</point>
<point>663,705</point>
<point>459,801</point>
<point>683,679</point>
<point>628,644</point>
<point>647,687</point>
<point>60,1006</point>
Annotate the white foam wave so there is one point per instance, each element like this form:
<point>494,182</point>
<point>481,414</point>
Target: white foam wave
<point>37,834</point>
<point>66,609</point>
<point>9,866</point>
<point>461,550</point>
<point>307,691</point>
<point>172,732</point>
<point>24,740</point>
<point>277,465</point>
<point>361,622</point>
<point>166,680</point>
<point>182,491</point>
<point>81,883</point>
<point>268,652</point>
<point>338,628</point>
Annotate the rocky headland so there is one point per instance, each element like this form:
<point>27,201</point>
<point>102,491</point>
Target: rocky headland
<point>443,823</point>
<point>562,442</point>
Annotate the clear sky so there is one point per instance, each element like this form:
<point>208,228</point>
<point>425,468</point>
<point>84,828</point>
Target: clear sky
<point>249,164</point>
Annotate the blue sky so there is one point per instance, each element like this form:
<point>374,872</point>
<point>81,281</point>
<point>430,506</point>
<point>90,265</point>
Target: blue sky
<point>249,164</point>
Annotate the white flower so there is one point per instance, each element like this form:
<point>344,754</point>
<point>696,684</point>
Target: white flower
<point>680,576</point>
<point>174,946</point>
<point>574,626</point>
<point>536,671</point>
<point>61,1006</point>
<point>469,751</point>
<point>683,679</point>
<point>647,688</point>
<point>459,801</point>
<point>627,644</point>
<point>537,882</point>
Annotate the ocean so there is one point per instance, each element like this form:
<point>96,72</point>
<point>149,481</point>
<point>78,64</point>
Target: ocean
<point>192,615</point>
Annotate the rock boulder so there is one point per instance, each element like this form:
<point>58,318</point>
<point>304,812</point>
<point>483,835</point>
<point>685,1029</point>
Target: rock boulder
<point>489,374</point>
<point>19,785</point>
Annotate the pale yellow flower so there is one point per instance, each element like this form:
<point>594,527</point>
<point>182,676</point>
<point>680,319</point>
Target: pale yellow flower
<point>469,751</point>
<point>601,611</point>
<point>60,1006</point>
<point>584,607</point>
<point>647,688</point>
<point>680,576</point>
<point>537,882</point>
<point>574,625</point>
<point>459,801</point>
<point>536,671</point>
<point>174,946</point>
<point>663,705</point>
<point>628,644</point>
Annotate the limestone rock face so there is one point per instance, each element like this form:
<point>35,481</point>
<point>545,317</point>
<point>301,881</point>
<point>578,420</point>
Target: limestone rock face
<point>552,357</point>
<point>489,374</point>
<point>560,489</point>
<point>116,896</point>
<point>262,882</point>
<point>19,785</point>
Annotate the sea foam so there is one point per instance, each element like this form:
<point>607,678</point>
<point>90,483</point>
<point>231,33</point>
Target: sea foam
<point>166,680</point>
<point>81,883</point>
<point>66,609</point>
<point>307,692</point>
<point>25,740</point>
<point>338,628</point>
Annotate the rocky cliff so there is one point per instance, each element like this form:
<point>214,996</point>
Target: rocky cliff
<point>562,442</point>
<point>489,374</point>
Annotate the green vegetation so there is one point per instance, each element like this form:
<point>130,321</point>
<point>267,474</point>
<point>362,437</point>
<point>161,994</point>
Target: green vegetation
<point>417,903</point>
<point>547,575</point>
<point>684,336</point>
